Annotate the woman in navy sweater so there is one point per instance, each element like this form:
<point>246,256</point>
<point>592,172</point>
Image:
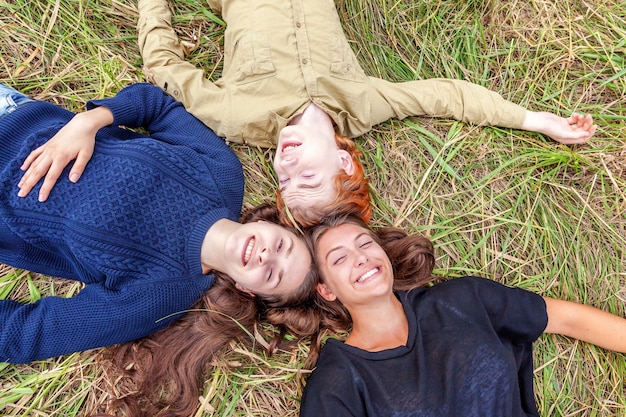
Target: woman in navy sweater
<point>149,221</point>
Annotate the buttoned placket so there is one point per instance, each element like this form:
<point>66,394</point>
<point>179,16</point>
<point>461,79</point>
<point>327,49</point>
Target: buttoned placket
<point>303,48</point>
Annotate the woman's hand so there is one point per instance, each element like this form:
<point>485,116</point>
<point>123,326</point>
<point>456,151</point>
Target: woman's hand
<point>75,141</point>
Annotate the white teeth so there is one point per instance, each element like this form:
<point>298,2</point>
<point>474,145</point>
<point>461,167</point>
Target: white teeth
<point>289,147</point>
<point>246,256</point>
<point>367,275</point>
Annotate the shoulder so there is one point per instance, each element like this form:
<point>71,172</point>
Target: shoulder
<point>472,286</point>
<point>332,378</point>
<point>452,289</point>
<point>333,363</point>
<point>476,294</point>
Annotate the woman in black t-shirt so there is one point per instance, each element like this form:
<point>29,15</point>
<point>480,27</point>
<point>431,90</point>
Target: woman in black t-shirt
<point>459,348</point>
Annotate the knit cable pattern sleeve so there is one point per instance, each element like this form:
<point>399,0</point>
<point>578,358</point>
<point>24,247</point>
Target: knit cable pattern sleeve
<point>96,317</point>
<point>143,105</point>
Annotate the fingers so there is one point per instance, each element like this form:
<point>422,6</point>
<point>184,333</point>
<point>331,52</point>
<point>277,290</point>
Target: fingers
<point>31,158</point>
<point>580,122</point>
<point>51,178</point>
<point>36,168</point>
<point>79,166</point>
<point>575,140</point>
<point>581,129</point>
<point>39,165</point>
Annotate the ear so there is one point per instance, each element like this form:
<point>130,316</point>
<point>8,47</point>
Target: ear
<point>325,292</point>
<point>244,289</point>
<point>346,161</point>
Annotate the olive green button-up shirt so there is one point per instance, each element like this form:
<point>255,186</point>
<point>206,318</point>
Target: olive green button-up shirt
<point>281,55</point>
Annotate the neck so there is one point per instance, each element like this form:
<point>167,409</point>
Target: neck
<point>212,250</point>
<point>378,327</point>
<point>314,116</point>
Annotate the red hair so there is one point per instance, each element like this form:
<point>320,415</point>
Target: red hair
<point>353,195</point>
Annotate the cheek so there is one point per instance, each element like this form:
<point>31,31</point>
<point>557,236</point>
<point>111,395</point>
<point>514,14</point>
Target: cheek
<point>276,165</point>
<point>328,168</point>
<point>253,283</point>
<point>332,276</point>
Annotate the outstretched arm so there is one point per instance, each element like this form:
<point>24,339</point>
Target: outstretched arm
<point>567,130</point>
<point>75,141</point>
<point>471,103</point>
<point>165,65</point>
<point>97,316</point>
<point>586,323</point>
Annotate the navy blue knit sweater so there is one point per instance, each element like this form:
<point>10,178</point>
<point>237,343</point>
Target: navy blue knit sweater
<point>131,228</point>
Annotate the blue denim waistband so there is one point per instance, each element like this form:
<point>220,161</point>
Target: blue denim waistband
<point>11,100</point>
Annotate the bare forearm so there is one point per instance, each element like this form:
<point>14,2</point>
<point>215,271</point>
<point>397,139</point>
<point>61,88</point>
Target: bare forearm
<point>94,119</point>
<point>586,323</point>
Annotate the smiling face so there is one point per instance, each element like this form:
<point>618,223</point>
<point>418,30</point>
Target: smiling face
<point>355,269</point>
<point>266,259</point>
<point>306,164</point>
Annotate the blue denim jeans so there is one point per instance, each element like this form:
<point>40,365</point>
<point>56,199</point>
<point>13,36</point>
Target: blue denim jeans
<point>10,100</point>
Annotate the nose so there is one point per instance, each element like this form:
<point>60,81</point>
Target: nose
<point>264,255</point>
<point>288,162</point>
<point>361,259</point>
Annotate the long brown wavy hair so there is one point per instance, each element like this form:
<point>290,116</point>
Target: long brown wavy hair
<point>163,372</point>
<point>353,194</point>
<point>412,258</point>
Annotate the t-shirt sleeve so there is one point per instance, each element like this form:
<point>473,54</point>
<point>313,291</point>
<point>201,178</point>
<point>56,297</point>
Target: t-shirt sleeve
<point>514,313</point>
<point>331,391</point>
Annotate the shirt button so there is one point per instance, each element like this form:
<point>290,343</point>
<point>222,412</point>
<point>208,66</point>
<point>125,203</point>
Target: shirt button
<point>298,25</point>
<point>304,61</point>
<point>348,67</point>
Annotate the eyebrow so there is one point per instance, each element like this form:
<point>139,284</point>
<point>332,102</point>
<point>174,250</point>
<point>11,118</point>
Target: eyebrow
<point>339,247</point>
<point>289,249</point>
<point>301,186</point>
<point>316,185</point>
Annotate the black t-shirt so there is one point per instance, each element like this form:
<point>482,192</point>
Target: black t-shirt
<point>468,353</point>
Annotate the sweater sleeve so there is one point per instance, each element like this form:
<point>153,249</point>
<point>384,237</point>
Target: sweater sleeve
<point>95,317</point>
<point>143,105</point>
<point>444,98</point>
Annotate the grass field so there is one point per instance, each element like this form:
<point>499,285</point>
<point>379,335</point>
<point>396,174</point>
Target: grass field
<point>508,205</point>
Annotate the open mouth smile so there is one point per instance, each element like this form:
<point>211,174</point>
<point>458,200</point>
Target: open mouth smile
<point>367,275</point>
<point>247,252</point>
<point>289,146</point>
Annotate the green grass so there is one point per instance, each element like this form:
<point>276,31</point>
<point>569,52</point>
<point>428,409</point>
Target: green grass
<point>512,206</point>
